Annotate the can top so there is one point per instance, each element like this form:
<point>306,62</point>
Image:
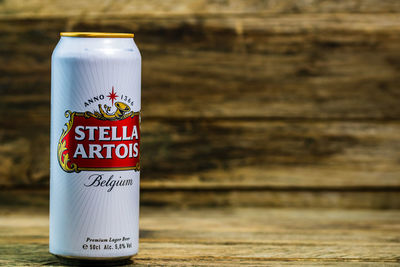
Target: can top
<point>97,34</point>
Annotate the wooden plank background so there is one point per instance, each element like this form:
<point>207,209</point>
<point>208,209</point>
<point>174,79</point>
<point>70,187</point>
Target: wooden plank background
<point>282,103</point>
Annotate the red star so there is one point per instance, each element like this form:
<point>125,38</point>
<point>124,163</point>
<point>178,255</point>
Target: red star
<point>112,96</point>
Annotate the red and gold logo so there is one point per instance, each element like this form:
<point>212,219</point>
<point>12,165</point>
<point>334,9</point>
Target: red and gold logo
<point>101,140</point>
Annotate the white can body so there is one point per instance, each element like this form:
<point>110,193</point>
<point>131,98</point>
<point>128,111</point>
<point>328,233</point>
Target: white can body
<point>95,148</point>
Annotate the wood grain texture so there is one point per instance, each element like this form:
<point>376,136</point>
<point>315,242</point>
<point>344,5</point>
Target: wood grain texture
<point>229,236</point>
<point>235,153</point>
<point>238,96</point>
<point>326,66</point>
<point>199,197</point>
<point>76,8</point>
<point>262,163</point>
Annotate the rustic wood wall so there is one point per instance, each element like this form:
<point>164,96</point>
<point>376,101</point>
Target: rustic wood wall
<point>262,102</point>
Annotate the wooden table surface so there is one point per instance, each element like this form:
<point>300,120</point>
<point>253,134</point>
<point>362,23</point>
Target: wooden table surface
<point>227,236</point>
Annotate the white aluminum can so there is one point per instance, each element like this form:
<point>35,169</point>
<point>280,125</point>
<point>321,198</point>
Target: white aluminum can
<point>95,147</point>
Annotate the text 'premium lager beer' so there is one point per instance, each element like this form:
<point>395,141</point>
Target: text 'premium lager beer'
<point>95,147</point>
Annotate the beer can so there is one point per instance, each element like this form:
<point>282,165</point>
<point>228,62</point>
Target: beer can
<point>95,147</point>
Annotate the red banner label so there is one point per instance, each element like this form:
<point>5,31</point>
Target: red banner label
<point>101,141</point>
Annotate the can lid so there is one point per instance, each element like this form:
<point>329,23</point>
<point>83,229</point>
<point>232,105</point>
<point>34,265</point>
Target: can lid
<point>97,34</point>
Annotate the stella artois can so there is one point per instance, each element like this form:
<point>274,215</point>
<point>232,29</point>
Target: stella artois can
<point>95,147</point>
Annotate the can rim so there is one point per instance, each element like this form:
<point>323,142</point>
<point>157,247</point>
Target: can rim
<point>97,34</point>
